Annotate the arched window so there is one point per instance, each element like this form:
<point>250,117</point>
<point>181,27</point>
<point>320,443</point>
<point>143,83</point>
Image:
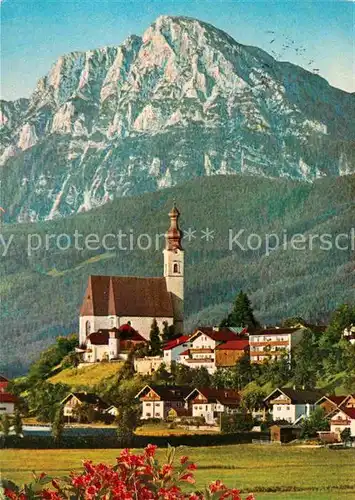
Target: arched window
<point>87,328</point>
<point>176,268</point>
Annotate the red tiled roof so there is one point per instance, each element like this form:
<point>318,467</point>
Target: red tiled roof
<point>185,353</point>
<point>127,296</point>
<point>234,345</point>
<point>175,342</point>
<point>222,334</point>
<point>6,397</point>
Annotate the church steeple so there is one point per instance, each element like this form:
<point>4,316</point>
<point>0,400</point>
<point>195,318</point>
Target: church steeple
<point>174,268</point>
<point>173,236</point>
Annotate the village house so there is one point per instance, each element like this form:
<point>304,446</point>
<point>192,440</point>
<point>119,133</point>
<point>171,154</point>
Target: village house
<point>202,348</point>
<point>113,301</point>
<point>291,405</point>
<point>229,353</point>
<point>343,418</point>
<point>73,401</point>
<point>108,345</point>
<point>173,349</point>
<point>157,400</point>
<point>7,403</point>
<point>330,403</point>
<point>271,344</point>
<point>210,403</point>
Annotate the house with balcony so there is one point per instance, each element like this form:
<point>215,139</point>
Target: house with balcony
<point>72,402</point>
<point>291,405</point>
<point>271,344</point>
<point>343,418</point>
<point>204,343</point>
<point>158,400</point>
<point>210,403</point>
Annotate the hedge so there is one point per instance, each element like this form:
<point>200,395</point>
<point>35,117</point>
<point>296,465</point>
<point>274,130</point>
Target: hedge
<point>195,440</point>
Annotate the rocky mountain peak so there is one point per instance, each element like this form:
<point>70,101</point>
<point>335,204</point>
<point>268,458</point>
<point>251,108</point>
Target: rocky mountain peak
<point>183,100</point>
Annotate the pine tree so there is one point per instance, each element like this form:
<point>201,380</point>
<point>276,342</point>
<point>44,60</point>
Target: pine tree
<point>5,424</point>
<point>58,425</point>
<point>168,331</point>
<point>128,422</point>
<point>18,423</point>
<point>242,313</point>
<point>155,342</point>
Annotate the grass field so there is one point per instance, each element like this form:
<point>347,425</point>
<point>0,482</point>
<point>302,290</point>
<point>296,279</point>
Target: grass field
<point>88,376</point>
<point>285,472</point>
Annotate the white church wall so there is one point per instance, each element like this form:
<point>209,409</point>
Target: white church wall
<point>143,325</point>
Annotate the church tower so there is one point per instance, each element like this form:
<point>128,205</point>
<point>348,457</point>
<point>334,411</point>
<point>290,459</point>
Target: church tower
<point>174,268</point>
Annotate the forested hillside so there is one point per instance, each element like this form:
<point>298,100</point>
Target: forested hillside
<point>41,290</point>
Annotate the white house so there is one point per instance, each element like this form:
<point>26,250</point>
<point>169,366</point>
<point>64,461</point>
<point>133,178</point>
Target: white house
<point>158,400</point>
<point>290,404</point>
<point>7,403</point>
<point>209,403</point>
<point>173,349</point>
<point>76,399</point>
<point>343,418</point>
<point>112,301</point>
<point>201,347</point>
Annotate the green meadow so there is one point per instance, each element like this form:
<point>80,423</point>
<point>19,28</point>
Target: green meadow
<point>273,471</point>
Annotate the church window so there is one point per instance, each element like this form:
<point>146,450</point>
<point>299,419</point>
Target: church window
<point>87,328</point>
<point>176,267</point>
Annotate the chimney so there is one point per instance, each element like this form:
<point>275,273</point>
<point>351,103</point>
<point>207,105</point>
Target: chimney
<point>216,328</point>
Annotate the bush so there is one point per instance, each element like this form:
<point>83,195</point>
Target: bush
<point>133,477</point>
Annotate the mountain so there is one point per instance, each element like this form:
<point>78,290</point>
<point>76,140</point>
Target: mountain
<point>44,271</point>
<point>183,101</point>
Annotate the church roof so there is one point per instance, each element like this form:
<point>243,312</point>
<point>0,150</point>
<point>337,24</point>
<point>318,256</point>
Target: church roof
<point>127,296</point>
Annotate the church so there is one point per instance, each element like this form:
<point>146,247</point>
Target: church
<point>117,308</point>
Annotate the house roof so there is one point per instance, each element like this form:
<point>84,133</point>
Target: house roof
<point>234,345</point>
<point>337,400</point>
<point>224,396</point>
<point>125,332</point>
<point>175,342</point>
<point>88,398</point>
<point>127,296</point>
<point>289,330</point>
<point>3,379</point>
<point>297,396</point>
<point>185,353</point>
<point>350,412</point>
<point>6,397</point>
<point>276,331</point>
<point>220,334</point>
<point>167,393</point>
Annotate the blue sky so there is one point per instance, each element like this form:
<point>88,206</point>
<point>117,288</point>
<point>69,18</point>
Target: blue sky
<point>36,32</point>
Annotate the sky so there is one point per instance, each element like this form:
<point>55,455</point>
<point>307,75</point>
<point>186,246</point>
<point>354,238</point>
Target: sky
<point>34,33</point>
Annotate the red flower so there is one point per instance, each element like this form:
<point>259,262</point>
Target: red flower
<point>150,450</point>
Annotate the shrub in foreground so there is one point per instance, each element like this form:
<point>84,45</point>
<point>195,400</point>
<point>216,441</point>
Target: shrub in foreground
<point>134,477</point>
